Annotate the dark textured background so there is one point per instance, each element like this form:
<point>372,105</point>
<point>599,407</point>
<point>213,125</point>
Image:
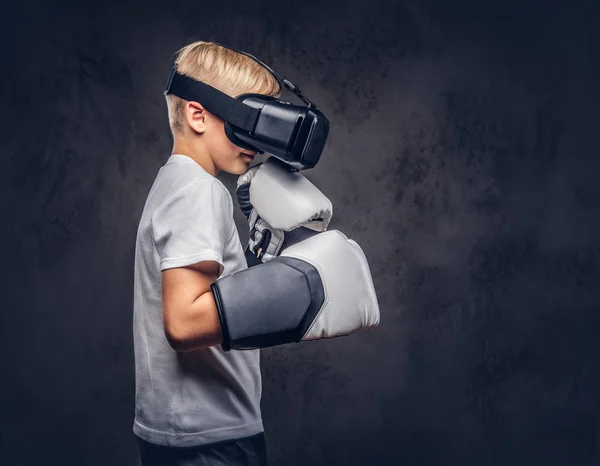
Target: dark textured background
<point>463,157</point>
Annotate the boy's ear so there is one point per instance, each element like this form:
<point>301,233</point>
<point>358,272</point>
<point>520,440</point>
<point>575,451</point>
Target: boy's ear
<point>195,115</point>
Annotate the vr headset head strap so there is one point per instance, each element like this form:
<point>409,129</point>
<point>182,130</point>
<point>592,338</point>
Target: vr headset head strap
<point>225,107</point>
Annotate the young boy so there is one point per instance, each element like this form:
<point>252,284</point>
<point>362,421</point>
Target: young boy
<point>195,403</point>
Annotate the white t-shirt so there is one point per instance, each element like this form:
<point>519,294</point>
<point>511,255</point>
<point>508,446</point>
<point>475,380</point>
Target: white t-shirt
<point>207,395</point>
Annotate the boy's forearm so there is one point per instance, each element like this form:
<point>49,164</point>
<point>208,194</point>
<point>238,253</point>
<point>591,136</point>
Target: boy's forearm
<point>197,326</point>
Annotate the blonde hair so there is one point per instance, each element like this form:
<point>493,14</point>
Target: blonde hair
<point>224,69</point>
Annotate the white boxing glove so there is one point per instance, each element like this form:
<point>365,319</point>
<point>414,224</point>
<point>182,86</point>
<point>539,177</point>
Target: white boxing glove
<point>318,288</point>
<point>282,206</point>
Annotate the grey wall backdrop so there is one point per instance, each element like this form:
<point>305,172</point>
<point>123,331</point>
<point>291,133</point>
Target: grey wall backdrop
<point>463,157</point>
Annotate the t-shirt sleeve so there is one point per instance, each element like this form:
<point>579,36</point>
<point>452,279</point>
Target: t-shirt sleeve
<point>192,224</point>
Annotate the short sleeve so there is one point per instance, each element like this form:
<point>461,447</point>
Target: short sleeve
<point>191,225</point>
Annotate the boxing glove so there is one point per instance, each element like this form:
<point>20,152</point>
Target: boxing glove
<point>282,207</point>
<point>318,288</point>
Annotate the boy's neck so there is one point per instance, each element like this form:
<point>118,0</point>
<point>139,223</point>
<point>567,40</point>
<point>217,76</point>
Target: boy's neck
<point>198,155</point>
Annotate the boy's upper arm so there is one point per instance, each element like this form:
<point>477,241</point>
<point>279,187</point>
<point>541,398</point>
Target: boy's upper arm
<point>190,230</point>
<point>181,286</point>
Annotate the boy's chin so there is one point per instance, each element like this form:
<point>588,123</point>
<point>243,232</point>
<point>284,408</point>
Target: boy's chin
<point>238,168</point>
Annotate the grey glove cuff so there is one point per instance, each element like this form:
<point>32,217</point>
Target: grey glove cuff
<point>268,305</point>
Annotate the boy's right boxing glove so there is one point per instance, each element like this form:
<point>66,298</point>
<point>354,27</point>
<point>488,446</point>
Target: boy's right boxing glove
<point>318,288</point>
<point>282,206</point>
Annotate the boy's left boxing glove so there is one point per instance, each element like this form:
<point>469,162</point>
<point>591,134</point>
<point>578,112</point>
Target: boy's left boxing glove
<point>282,206</point>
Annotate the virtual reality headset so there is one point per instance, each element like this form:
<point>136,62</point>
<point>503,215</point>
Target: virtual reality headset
<point>295,134</point>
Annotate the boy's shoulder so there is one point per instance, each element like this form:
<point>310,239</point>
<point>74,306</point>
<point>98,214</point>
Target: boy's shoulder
<point>182,171</point>
<point>185,183</point>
